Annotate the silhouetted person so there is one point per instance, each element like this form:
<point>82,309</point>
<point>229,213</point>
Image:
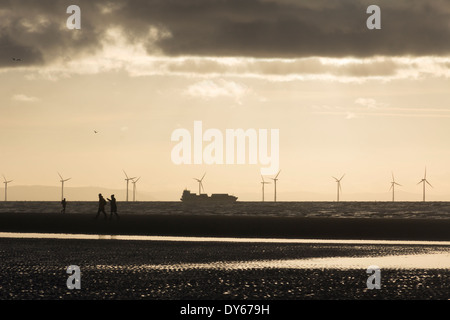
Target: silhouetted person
<point>113,206</point>
<point>101,205</point>
<point>63,203</point>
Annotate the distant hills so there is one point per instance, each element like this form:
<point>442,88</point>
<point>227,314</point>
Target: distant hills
<point>53,193</point>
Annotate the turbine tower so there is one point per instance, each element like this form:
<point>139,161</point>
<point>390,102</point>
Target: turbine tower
<point>339,188</point>
<point>200,184</point>
<point>393,183</point>
<point>275,185</point>
<point>134,188</point>
<point>263,183</point>
<point>423,181</point>
<point>127,179</point>
<point>62,185</point>
<point>6,187</point>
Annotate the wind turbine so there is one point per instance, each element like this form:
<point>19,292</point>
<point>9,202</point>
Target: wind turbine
<point>393,183</point>
<point>134,188</point>
<point>128,180</point>
<point>423,181</point>
<point>339,188</point>
<point>6,187</point>
<point>200,184</point>
<point>62,185</point>
<point>263,183</point>
<point>275,185</point>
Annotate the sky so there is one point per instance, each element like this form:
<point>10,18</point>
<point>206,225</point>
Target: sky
<point>345,99</point>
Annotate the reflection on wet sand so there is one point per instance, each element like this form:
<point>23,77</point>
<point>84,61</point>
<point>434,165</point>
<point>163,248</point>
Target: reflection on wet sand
<point>34,268</point>
<point>212,239</point>
<point>430,260</point>
<point>422,261</point>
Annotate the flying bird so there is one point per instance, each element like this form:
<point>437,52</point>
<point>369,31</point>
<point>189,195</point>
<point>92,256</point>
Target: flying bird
<point>95,131</point>
<point>17,59</point>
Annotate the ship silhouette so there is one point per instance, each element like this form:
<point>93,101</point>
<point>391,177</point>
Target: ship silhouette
<point>189,197</point>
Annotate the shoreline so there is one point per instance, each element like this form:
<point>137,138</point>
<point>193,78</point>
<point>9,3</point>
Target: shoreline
<point>78,236</point>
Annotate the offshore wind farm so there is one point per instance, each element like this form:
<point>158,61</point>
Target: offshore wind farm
<point>148,196</point>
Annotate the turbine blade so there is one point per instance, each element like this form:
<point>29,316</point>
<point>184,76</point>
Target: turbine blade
<point>60,176</point>
<point>335,178</point>
<point>203,176</point>
<point>277,174</point>
<point>342,177</point>
<point>429,183</point>
<point>125,173</point>
<point>391,187</point>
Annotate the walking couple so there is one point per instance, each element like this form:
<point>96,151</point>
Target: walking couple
<point>102,203</point>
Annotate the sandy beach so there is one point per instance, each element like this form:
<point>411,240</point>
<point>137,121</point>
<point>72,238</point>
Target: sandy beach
<point>212,270</point>
<point>111,269</point>
<point>231,226</point>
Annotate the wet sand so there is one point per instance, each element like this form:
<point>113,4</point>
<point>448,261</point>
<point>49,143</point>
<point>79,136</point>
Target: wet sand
<point>112,269</point>
<point>184,270</point>
<point>231,226</point>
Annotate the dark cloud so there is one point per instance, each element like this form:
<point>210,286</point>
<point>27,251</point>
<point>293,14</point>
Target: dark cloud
<point>306,66</point>
<point>10,50</point>
<point>35,30</point>
<point>261,28</point>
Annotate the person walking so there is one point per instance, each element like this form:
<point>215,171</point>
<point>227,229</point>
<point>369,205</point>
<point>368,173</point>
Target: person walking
<point>101,205</point>
<point>63,203</point>
<point>113,204</point>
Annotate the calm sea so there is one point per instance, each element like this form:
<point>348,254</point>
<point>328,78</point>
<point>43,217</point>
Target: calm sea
<point>434,210</point>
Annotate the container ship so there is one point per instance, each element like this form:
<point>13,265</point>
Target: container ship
<point>189,197</point>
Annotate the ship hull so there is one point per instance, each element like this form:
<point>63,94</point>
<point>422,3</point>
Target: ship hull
<point>192,198</point>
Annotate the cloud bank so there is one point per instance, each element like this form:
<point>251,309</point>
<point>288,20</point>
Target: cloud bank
<point>36,32</point>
